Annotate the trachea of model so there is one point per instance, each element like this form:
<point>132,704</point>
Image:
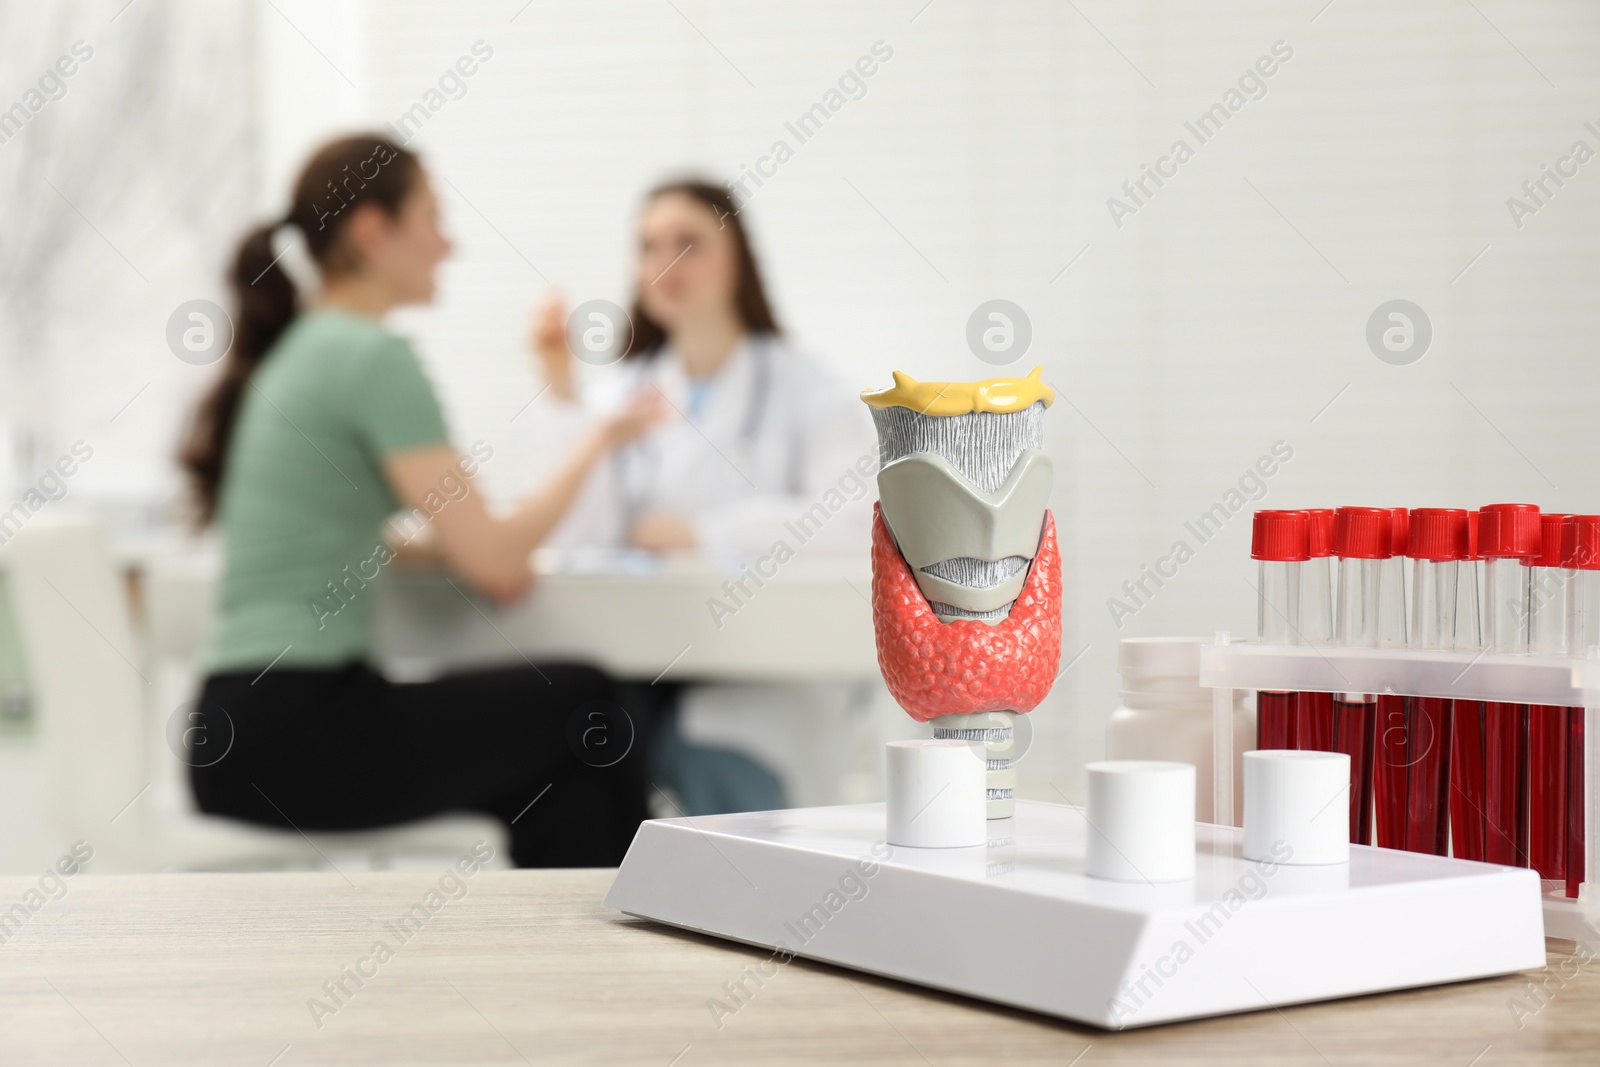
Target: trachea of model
<point>966,577</point>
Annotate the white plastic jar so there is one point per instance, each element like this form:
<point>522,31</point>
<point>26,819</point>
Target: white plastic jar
<point>1166,714</point>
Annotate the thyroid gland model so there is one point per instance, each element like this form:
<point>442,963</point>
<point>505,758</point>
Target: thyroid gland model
<point>966,578</point>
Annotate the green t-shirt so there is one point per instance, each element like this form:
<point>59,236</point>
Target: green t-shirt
<point>304,498</point>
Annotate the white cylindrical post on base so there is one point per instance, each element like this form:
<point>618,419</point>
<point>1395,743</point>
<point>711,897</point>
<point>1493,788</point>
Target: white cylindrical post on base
<point>1141,821</point>
<point>937,797</point>
<point>1297,806</point>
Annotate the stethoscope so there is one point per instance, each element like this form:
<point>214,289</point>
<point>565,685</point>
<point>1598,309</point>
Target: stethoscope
<point>643,457</point>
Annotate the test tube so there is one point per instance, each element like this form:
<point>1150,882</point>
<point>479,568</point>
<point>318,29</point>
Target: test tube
<point>1316,727</point>
<point>1549,726</point>
<point>1508,539</point>
<point>1392,582</point>
<point>1362,540</point>
<point>1314,711</point>
<point>1583,639</point>
<point>1437,541</point>
<point>1469,604</point>
<point>1550,585</point>
<point>1583,599</point>
<point>1316,587</point>
<point>1466,716</point>
<point>1278,541</point>
<point>1391,762</point>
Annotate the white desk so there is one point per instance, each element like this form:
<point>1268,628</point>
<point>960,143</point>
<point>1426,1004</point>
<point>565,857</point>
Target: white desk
<point>810,622</point>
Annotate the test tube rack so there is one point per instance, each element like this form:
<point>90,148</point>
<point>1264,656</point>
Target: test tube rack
<point>1532,679</point>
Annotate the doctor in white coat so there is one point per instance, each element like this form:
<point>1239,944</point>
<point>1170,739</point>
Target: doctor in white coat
<point>760,437</point>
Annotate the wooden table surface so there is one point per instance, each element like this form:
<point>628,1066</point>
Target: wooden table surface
<point>516,967</point>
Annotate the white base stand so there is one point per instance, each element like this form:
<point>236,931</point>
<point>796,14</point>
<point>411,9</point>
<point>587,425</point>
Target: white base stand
<point>1576,920</point>
<point>1017,921</point>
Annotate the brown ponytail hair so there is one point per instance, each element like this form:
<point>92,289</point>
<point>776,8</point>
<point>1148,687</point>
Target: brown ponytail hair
<point>341,175</point>
<point>749,294</point>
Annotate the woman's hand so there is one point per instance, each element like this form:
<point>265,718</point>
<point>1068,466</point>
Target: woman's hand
<point>644,410</point>
<point>547,337</point>
<point>660,531</point>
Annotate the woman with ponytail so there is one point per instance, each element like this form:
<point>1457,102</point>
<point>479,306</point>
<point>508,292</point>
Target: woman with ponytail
<point>320,428</point>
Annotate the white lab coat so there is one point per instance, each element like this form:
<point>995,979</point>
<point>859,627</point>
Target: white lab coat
<point>772,436</point>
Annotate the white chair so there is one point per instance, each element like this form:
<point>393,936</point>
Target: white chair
<point>96,713</point>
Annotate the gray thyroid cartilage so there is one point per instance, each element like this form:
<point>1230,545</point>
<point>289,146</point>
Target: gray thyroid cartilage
<point>964,497</point>
<point>967,549</point>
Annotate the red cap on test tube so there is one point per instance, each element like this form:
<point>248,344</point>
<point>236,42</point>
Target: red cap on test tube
<point>1399,530</point>
<point>1472,536</point>
<point>1583,549</point>
<point>1319,532</point>
<point>1363,533</point>
<point>1437,534</point>
<point>1279,536</point>
<point>1508,531</point>
<point>1555,534</point>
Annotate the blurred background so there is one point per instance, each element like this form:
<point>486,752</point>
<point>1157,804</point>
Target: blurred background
<point>1230,308</point>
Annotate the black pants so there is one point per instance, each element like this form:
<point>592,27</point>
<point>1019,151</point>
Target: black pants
<point>548,750</point>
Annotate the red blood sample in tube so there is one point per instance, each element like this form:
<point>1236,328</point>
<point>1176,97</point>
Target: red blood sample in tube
<point>1505,751</point>
<point>1313,729</point>
<point>1314,723</point>
<point>1466,716</point>
<point>1466,779</point>
<point>1504,787</point>
<point>1549,727</point>
<point>1508,537</point>
<point>1279,542</point>
<point>1391,634</point>
<point>1427,793</point>
<point>1583,556</point>
<point>1391,766</point>
<point>1275,718</point>
<point>1575,801</point>
<point>1437,541</point>
<point>1392,707</point>
<point>1356,728</point>
<point>1362,539</point>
